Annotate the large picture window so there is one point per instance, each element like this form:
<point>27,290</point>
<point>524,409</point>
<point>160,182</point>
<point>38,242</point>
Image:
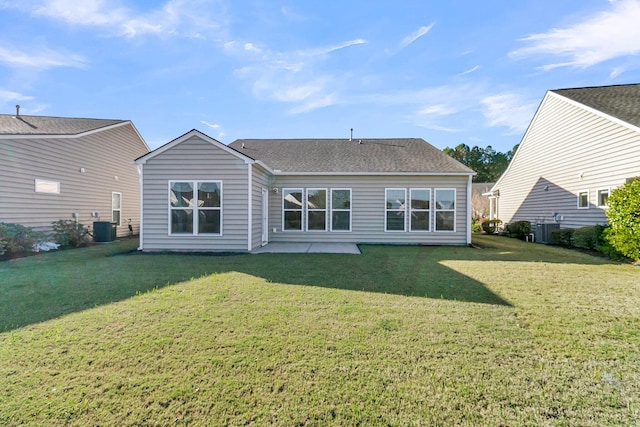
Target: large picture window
<point>195,207</point>
<point>420,209</point>
<point>316,209</point>
<point>445,209</point>
<point>395,207</point>
<point>292,209</point>
<point>340,209</point>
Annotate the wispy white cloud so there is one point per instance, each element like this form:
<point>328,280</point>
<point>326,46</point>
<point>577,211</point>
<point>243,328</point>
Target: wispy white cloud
<point>11,96</point>
<point>329,49</point>
<point>508,110</point>
<point>39,58</point>
<point>470,70</point>
<point>603,36</point>
<point>250,47</point>
<point>298,77</point>
<point>184,18</point>
<point>220,133</point>
<point>415,35</point>
<point>438,110</point>
<point>617,72</point>
<point>211,125</point>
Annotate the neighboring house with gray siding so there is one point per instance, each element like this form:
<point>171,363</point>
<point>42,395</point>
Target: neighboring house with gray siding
<point>54,168</point>
<point>581,144</point>
<point>201,195</point>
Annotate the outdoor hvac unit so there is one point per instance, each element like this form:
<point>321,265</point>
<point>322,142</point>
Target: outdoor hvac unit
<point>543,232</point>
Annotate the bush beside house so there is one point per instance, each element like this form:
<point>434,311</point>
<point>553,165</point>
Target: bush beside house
<point>623,215</point>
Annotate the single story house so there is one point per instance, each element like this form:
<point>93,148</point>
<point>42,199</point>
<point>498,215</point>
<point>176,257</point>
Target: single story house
<point>54,168</point>
<point>201,195</point>
<point>581,144</point>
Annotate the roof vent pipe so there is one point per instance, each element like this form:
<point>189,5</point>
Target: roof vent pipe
<point>17,110</point>
<point>351,136</point>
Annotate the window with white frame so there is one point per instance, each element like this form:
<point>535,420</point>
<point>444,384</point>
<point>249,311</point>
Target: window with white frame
<point>292,209</point>
<point>583,199</point>
<point>395,209</point>
<point>116,208</point>
<point>341,209</point>
<point>603,197</point>
<point>420,208</point>
<point>316,209</point>
<point>445,209</point>
<point>195,207</point>
<point>45,186</point>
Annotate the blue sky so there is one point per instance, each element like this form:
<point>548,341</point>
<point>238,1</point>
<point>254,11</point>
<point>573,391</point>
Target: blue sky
<point>451,72</point>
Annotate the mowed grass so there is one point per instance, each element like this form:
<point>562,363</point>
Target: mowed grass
<point>510,334</point>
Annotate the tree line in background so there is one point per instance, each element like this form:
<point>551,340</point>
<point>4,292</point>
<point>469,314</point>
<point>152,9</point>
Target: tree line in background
<point>487,162</point>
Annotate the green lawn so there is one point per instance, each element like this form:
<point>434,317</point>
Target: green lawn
<point>511,334</point>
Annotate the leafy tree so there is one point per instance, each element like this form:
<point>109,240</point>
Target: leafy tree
<point>624,219</point>
<point>487,162</point>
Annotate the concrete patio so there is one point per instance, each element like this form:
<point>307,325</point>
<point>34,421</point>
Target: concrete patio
<point>308,248</point>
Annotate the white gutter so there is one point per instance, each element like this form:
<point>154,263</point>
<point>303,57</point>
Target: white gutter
<point>250,205</point>
<point>280,173</point>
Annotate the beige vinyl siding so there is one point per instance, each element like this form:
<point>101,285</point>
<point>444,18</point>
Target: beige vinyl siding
<point>368,209</point>
<point>567,149</point>
<point>260,180</point>
<point>103,155</point>
<point>195,160</point>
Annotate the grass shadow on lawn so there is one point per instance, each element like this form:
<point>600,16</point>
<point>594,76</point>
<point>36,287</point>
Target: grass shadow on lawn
<point>47,286</point>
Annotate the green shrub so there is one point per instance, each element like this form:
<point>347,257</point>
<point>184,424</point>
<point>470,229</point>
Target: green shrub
<point>491,226</point>
<point>624,219</point>
<point>518,229</point>
<point>605,248</point>
<point>586,237</point>
<point>476,225</point>
<point>69,233</point>
<point>563,237</point>
<point>17,239</point>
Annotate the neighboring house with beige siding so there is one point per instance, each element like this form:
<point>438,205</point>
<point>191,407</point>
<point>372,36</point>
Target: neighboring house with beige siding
<point>201,195</point>
<point>54,168</point>
<point>581,144</point>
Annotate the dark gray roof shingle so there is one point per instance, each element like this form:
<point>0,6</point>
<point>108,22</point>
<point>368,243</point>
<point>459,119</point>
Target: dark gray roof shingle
<point>403,155</point>
<point>620,101</point>
<point>44,125</point>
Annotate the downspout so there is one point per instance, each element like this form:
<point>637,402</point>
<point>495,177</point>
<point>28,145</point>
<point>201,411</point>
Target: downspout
<point>141,197</point>
<point>469,190</point>
<point>250,206</point>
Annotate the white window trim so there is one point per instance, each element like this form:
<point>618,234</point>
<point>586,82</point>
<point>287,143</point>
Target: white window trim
<point>411,209</point>
<point>350,210</point>
<point>119,223</point>
<point>195,208</point>
<point>302,214</point>
<point>325,210</point>
<point>38,182</point>
<point>608,190</point>
<point>404,209</point>
<point>436,210</point>
<point>578,199</point>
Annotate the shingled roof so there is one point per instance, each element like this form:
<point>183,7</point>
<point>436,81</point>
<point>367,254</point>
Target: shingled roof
<point>44,125</point>
<point>620,101</point>
<point>399,155</point>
